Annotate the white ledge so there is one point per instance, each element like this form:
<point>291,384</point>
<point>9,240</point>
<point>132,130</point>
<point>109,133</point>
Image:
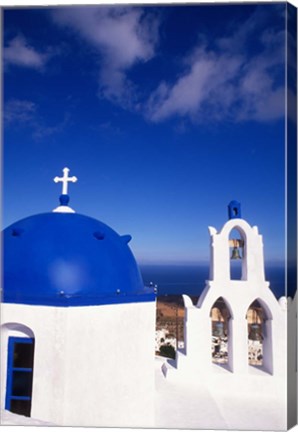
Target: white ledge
<point>63,209</point>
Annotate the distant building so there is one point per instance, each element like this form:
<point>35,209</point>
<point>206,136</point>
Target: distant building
<point>162,337</point>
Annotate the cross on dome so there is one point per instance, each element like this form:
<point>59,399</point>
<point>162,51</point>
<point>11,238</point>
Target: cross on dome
<point>65,180</point>
<point>64,198</point>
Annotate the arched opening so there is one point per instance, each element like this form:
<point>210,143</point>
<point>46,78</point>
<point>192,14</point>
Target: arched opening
<point>220,317</point>
<point>259,337</point>
<point>237,250</point>
<point>17,363</point>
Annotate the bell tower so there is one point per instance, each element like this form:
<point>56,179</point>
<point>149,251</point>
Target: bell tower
<point>233,316</point>
<point>237,240</point>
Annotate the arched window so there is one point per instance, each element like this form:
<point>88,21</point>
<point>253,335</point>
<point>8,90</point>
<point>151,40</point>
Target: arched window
<point>19,341</point>
<point>220,316</point>
<point>259,337</point>
<point>237,248</point>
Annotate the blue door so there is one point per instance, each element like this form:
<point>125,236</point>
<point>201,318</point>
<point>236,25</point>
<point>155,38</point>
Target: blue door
<point>19,375</point>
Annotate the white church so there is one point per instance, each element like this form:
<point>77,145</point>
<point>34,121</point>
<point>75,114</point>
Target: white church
<point>78,332</point>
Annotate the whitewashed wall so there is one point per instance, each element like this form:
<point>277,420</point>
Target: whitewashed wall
<point>93,366</point>
<point>196,359</point>
<point>46,324</point>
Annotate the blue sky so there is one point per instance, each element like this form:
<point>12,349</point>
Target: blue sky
<point>165,114</point>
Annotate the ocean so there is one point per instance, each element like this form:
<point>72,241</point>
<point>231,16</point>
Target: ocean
<point>190,279</point>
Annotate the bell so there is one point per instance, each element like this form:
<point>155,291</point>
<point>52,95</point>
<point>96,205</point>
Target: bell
<point>255,333</point>
<point>235,254</point>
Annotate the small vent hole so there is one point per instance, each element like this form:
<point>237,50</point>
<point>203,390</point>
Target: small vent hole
<point>99,235</point>
<point>17,232</point>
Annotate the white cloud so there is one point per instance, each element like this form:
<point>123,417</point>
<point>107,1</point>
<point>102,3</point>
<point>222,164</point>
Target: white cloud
<point>122,38</point>
<point>24,113</point>
<point>227,83</point>
<point>41,130</point>
<point>18,52</point>
<point>17,110</point>
<point>230,81</point>
<point>207,80</point>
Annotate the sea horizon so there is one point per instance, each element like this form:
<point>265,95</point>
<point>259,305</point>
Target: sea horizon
<point>190,279</point>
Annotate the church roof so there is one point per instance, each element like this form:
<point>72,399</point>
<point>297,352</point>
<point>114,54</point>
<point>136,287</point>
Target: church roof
<point>68,259</point>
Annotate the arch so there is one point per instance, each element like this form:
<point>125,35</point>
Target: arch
<point>18,327</point>
<point>259,329</point>
<point>267,310</point>
<point>237,243</point>
<point>221,317</point>
<point>239,224</point>
<point>238,227</point>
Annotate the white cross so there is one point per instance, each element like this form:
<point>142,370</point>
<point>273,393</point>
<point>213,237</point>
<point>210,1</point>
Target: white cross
<point>65,179</point>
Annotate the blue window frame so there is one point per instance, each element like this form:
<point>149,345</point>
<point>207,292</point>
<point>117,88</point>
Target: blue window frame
<point>19,375</point>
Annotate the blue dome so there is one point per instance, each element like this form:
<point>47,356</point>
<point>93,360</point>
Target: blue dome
<point>67,259</point>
